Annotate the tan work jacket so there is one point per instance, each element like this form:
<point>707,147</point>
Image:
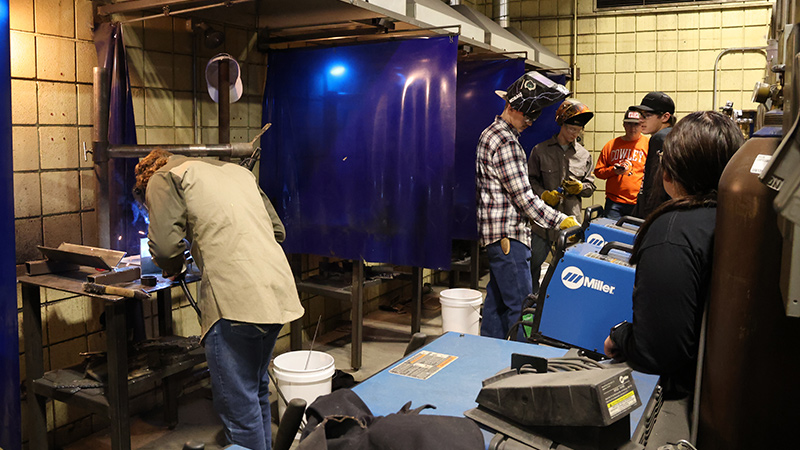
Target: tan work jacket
<point>233,228</point>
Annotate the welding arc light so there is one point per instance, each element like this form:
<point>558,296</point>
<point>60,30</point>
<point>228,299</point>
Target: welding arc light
<point>337,71</point>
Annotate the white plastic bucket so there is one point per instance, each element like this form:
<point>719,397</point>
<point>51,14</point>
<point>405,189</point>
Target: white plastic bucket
<point>461,310</point>
<point>296,380</point>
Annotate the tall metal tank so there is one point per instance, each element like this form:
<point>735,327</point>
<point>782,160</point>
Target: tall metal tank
<point>750,396</point>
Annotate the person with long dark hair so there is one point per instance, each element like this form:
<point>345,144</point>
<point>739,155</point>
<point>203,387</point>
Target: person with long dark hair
<point>673,254</point>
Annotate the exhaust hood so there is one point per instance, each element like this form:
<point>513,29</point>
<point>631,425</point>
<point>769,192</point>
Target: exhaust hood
<point>295,23</point>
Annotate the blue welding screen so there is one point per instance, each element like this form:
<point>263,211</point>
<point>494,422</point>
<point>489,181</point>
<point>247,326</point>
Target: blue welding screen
<point>359,160</point>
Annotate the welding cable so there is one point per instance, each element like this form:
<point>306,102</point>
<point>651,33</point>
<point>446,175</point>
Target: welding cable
<point>189,296</point>
<point>584,361</point>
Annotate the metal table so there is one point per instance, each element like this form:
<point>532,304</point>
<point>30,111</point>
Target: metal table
<point>455,387</point>
<point>114,402</point>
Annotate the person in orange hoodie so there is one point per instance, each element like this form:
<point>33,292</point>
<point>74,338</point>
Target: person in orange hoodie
<point>621,164</point>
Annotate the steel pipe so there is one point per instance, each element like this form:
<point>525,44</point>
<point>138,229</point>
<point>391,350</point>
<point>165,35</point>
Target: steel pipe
<point>236,150</point>
<point>762,50</point>
<point>100,156</point>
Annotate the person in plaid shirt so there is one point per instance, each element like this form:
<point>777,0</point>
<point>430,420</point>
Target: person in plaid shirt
<point>506,203</point>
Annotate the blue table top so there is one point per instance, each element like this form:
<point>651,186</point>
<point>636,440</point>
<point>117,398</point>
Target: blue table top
<point>454,388</point>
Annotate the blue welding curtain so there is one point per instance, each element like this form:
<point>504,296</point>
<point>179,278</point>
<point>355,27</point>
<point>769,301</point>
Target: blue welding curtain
<point>127,224</point>
<point>10,424</point>
<point>477,107</point>
<point>359,159</point>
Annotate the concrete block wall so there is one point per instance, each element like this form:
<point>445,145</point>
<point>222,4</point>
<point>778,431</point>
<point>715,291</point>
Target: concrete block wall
<point>52,56</point>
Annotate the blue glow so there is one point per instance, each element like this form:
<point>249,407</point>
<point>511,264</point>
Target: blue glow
<point>337,71</point>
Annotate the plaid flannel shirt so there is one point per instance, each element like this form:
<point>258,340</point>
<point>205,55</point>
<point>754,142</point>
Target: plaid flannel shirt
<point>506,202</point>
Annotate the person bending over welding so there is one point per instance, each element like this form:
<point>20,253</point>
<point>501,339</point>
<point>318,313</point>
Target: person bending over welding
<point>560,171</point>
<point>673,255</point>
<point>506,203</point>
<point>247,288</point>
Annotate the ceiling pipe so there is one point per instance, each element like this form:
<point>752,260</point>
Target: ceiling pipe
<point>500,13</point>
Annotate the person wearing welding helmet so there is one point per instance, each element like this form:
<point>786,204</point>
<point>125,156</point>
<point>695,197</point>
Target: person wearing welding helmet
<point>247,292</point>
<point>560,171</point>
<point>506,203</point>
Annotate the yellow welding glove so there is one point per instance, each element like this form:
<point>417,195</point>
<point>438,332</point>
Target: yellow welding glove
<point>572,186</point>
<point>551,197</point>
<point>569,222</point>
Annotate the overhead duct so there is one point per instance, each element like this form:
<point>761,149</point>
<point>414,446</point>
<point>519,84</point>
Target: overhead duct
<point>437,13</point>
<point>500,13</point>
<point>512,40</point>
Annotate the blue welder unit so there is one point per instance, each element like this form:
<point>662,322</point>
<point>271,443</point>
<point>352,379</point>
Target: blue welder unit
<point>586,291</point>
<point>599,230</point>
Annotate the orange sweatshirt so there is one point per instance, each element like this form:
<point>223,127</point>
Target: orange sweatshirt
<point>632,154</point>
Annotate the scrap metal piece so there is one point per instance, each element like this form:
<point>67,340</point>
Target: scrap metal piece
<point>99,258</point>
<point>45,266</point>
<point>120,275</point>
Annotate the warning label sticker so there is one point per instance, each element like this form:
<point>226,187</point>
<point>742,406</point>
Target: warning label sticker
<point>619,394</point>
<point>423,365</point>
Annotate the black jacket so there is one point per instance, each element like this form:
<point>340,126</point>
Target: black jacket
<point>672,285</point>
<point>652,193</point>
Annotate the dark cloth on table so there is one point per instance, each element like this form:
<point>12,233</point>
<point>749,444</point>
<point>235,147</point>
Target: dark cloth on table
<point>341,421</point>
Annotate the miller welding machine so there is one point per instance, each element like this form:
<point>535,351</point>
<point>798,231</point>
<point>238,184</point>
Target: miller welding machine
<point>599,230</point>
<point>585,292</point>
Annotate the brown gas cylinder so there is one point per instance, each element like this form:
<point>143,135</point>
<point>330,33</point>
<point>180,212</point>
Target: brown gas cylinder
<point>750,396</point>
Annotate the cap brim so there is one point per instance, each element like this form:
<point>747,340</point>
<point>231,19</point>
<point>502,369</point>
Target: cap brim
<point>501,94</point>
<point>643,108</point>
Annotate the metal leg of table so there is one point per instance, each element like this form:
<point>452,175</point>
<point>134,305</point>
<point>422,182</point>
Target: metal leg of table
<point>475,264</point>
<point>296,327</point>
<point>416,304</point>
<point>34,366</point>
<point>357,313</point>
<point>169,385</point>
<point>117,387</point>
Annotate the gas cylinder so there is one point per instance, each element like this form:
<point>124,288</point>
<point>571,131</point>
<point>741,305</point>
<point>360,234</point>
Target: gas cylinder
<point>749,396</point>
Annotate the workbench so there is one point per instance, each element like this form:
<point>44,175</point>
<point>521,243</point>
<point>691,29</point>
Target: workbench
<point>113,402</point>
<point>455,387</point>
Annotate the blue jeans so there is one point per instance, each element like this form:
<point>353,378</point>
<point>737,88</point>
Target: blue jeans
<point>238,356</point>
<point>614,210</point>
<point>509,284</point>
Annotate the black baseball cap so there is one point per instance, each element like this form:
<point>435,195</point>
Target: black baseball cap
<point>656,102</point>
<point>533,92</point>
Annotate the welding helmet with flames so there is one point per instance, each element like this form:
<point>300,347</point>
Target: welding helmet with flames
<point>531,93</point>
<point>573,112</point>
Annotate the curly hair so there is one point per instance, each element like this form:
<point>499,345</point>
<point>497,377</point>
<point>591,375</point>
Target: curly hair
<point>148,166</point>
